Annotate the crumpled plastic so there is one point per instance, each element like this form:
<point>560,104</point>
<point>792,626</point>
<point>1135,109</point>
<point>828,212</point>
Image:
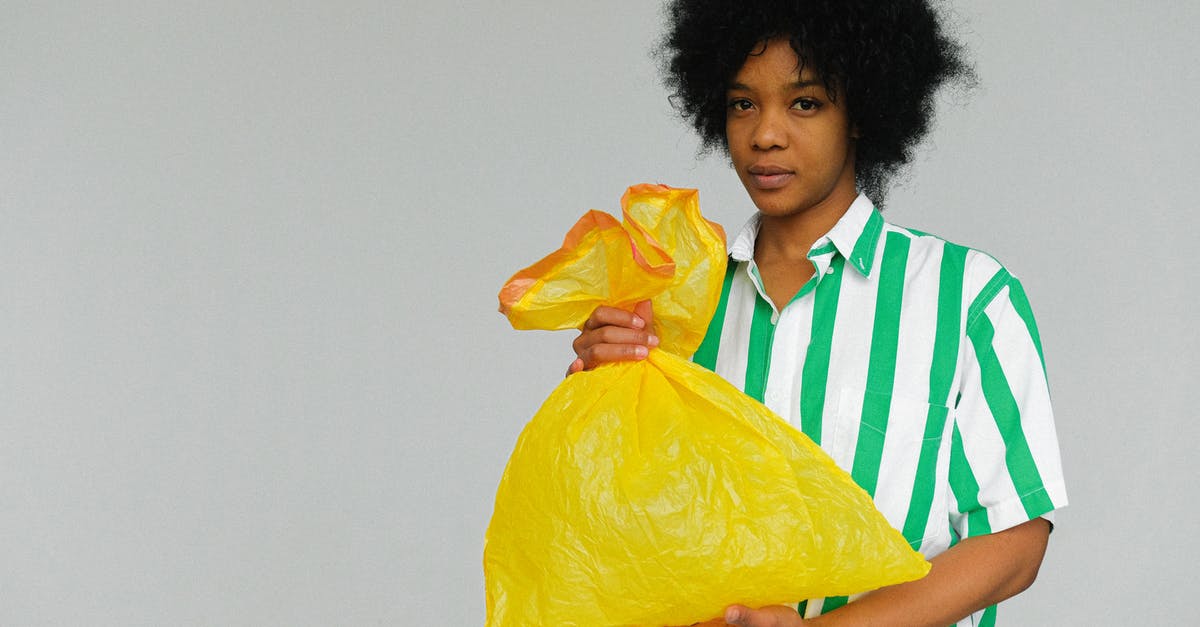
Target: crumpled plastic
<point>654,492</point>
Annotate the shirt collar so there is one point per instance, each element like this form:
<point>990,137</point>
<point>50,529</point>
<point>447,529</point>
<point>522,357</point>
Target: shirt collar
<point>855,236</point>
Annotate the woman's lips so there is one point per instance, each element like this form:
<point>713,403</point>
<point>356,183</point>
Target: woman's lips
<point>770,177</point>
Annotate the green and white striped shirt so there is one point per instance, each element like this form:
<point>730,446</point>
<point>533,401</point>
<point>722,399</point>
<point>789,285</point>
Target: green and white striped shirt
<point>916,364</point>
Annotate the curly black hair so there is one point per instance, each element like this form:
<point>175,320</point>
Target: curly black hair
<point>887,57</point>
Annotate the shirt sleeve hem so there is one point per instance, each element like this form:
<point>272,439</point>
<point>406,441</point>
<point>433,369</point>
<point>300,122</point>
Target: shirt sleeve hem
<point>1012,512</point>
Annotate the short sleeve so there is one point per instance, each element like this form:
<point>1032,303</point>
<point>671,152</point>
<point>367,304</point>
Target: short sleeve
<point>1005,465</point>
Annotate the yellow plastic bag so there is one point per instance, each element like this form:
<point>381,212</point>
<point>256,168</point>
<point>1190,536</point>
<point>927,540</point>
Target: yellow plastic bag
<point>654,492</point>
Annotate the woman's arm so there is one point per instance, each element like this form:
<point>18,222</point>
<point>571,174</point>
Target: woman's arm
<point>970,576</point>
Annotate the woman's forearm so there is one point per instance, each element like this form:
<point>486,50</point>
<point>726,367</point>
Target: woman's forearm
<point>971,575</point>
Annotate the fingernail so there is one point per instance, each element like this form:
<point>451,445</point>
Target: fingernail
<point>641,352</point>
<point>638,322</point>
<point>732,615</point>
<point>652,341</point>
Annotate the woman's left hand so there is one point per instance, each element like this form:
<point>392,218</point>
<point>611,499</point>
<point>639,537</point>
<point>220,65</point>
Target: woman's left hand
<point>772,616</point>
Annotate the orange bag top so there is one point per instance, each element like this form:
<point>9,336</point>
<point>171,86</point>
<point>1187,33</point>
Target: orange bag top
<point>666,252</point>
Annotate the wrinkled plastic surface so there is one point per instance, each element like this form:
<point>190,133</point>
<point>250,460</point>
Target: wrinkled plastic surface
<point>654,492</point>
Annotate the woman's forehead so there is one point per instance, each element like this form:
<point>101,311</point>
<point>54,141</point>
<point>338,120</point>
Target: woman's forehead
<point>775,60</point>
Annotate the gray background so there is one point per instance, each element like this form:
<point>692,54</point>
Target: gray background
<point>251,371</point>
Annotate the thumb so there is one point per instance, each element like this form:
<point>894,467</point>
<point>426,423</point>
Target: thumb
<point>645,311</point>
<point>773,616</point>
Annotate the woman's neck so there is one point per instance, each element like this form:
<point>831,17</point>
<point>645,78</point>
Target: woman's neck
<point>790,237</point>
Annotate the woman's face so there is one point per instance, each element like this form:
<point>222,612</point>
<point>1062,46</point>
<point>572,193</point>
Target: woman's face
<point>791,145</point>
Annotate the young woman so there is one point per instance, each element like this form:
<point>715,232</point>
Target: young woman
<point>914,362</point>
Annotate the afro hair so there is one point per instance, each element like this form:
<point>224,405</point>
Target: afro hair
<point>887,58</point>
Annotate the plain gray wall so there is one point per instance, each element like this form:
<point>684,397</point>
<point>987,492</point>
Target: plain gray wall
<point>251,371</point>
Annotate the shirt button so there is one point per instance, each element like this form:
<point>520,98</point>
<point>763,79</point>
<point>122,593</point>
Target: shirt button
<point>829,270</point>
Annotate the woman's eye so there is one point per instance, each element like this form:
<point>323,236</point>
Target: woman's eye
<point>740,104</point>
<point>804,104</point>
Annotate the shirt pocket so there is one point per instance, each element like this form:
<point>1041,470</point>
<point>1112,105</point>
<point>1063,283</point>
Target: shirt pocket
<point>893,447</point>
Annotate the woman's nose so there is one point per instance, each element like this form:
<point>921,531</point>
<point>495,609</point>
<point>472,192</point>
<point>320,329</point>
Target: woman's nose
<point>769,132</point>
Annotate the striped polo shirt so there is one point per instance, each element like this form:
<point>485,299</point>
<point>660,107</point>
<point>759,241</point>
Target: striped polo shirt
<point>915,363</point>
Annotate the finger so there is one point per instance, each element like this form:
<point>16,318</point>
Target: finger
<point>614,335</point>
<point>611,316</point>
<point>737,615</point>
<point>599,354</point>
<point>645,311</point>
<point>612,344</point>
<point>576,366</point>
<point>773,616</point>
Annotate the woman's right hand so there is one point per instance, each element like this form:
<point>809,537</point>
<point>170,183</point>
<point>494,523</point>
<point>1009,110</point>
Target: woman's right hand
<point>612,335</point>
